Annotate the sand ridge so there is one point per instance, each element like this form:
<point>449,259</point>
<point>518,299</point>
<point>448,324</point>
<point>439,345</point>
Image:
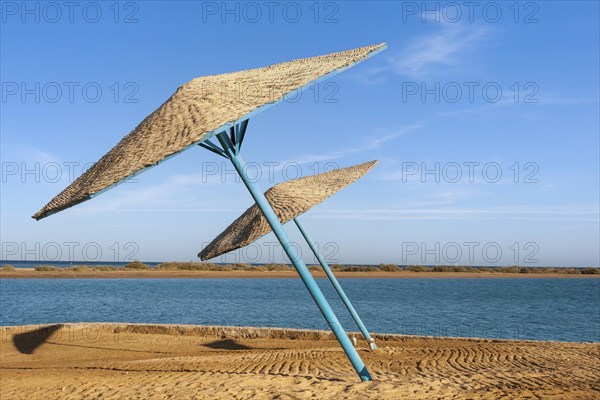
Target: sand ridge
<point>129,361</point>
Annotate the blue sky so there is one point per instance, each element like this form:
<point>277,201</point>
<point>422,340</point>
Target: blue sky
<point>469,93</point>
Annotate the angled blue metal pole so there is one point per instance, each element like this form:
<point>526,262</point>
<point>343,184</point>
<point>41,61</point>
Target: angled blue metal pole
<point>299,265</point>
<point>337,286</point>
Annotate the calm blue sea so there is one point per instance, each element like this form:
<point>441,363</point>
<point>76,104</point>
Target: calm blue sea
<point>539,309</point>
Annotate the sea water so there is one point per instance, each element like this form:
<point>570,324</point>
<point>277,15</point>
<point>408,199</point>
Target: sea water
<point>527,308</point>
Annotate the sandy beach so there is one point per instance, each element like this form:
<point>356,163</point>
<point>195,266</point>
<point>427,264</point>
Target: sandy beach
<point>118,361</point>
<point>175,273</point>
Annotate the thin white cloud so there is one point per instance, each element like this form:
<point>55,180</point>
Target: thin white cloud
<point>520,212</point>
<point>424,173</point>
<point>429,54</point>
<point>27,153</point>
<point>440,49</point>
<point>543,99</point>
<point>171,195</point>
<point>371,143</point>
<point>556,98</point>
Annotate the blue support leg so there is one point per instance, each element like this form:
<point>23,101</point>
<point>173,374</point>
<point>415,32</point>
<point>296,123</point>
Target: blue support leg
<point>337,286</point>
<point>299,265</point>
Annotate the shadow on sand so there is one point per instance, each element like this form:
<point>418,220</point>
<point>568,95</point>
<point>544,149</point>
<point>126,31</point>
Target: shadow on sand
<point>226,344</point>
<point>28,342</point>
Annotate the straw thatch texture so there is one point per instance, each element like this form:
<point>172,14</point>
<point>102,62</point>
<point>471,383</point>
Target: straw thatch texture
<point>288,199</point>
<point>197,110</point>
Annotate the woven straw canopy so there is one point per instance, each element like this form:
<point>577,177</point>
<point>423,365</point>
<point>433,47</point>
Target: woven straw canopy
<point>288,199</point>
<point>198,110</point>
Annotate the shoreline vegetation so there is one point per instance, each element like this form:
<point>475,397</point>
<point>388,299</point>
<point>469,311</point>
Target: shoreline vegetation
<point>137,269</point>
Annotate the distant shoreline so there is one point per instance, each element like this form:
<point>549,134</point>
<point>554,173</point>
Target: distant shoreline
<point>207,270</point>
<point>30,273</point>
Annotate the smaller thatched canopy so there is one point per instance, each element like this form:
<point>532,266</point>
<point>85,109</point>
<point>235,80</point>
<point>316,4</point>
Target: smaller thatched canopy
<point>288,199</point>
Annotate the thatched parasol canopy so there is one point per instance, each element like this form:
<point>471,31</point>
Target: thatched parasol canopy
<point>198,110</point>
<point>288,200</point>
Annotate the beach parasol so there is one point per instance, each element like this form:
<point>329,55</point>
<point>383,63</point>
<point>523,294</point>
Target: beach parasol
<point>219,106</point>
<point>289,200</point>
<point>198,110</point>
